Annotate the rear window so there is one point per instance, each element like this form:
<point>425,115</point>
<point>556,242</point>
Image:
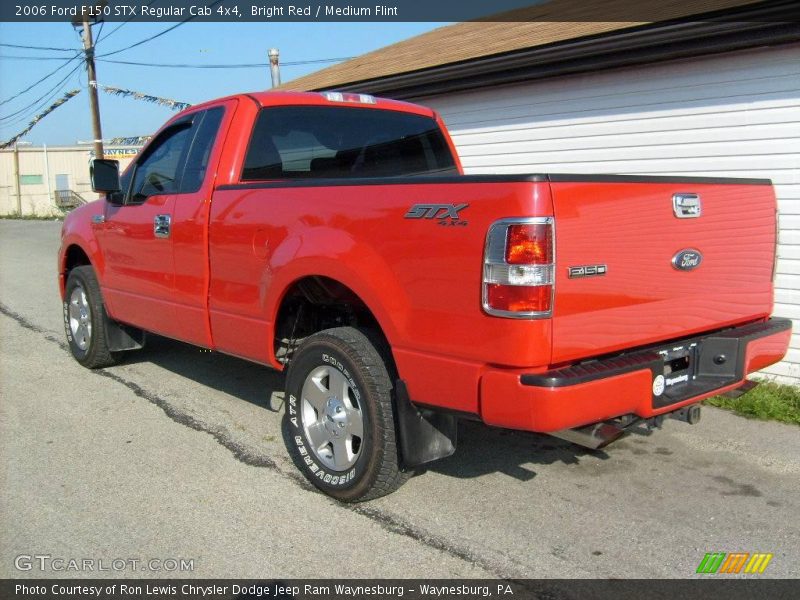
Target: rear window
<point>301,142</point>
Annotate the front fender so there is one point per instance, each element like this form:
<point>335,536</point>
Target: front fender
<point>79,230</point>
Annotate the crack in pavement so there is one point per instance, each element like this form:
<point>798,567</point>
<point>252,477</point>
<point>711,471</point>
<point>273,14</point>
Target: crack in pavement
<point>390,523</point>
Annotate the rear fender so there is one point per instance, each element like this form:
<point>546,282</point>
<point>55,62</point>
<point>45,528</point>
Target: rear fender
<point>335,254</point>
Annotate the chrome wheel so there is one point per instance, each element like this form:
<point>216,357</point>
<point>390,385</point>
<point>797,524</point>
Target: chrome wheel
<point>332,418</point>
<point>80,318</point>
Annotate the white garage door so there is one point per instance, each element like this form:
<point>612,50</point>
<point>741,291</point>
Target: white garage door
<point>735,114</point>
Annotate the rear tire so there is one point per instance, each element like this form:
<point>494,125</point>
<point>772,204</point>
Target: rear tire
<point>86,320</point>
<point>340,416</point>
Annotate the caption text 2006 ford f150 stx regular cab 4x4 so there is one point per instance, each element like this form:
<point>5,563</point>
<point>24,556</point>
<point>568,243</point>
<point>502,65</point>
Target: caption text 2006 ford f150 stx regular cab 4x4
<point>334,236</point>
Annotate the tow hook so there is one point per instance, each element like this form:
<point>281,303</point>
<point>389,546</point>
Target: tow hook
<point>690,414</point>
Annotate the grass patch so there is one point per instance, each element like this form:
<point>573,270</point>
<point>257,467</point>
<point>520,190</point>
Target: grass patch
<point>768,402</point>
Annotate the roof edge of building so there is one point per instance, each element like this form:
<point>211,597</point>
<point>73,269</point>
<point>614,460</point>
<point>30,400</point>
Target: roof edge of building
<point>759,25</point>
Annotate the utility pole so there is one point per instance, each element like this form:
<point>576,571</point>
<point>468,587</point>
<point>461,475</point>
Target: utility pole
<point>17,190</point>
<point>94,104</point>
<point>274,67</point>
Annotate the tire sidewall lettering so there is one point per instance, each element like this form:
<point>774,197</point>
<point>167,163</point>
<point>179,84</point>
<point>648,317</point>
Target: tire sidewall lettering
<point>66,321</point>
<point>307,459</point>
<point>327,358</point>
<point>76,351</point>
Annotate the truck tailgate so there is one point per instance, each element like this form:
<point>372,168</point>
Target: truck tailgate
<point>636,288</point>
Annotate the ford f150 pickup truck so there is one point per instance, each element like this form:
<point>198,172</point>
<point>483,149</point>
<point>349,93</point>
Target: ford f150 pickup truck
<point>334,236</point>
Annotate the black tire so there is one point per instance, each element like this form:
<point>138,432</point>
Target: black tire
<point>375,470</point>
<point>92,351</point>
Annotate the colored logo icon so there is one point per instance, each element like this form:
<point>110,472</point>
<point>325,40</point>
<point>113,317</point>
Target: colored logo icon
<point>734,562</point>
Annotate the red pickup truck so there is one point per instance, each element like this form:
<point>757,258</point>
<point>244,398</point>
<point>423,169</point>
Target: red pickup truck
<point>334,236</point>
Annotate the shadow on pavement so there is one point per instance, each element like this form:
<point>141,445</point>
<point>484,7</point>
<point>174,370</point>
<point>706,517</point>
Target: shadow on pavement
<point>481,449</point>
<point>234,376</point>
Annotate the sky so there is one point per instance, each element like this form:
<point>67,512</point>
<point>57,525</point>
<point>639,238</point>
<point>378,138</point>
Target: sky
<point>191,43</point>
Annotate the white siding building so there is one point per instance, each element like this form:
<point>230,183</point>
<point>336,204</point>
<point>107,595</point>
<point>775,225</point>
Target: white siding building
<point>728,115</point>
<point>717,95</point>
<point>32,178</point>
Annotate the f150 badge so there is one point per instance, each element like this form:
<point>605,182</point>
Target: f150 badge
<point>445,214</point>
<point>687,260</point>
<point>587,271</point>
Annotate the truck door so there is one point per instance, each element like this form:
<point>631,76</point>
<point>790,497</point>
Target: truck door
<point>136,237</point>
<point>189,225</point>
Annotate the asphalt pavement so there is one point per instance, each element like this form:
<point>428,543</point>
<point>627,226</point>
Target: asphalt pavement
<point>177,455</point>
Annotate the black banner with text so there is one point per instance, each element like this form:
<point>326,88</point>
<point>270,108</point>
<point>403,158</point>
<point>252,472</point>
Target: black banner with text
<point>395,10</point>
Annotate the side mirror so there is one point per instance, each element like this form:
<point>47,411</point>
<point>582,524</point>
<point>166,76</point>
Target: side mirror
<point>115,198</point>
<point>104,175</point>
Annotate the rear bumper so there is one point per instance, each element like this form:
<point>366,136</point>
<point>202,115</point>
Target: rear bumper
<point>624,384</point>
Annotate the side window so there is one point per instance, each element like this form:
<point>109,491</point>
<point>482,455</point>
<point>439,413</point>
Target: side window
<point>200,152</point>
<point>263,161</point>
<point>157,172</point>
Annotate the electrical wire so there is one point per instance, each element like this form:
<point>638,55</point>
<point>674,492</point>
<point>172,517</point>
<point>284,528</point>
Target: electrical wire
<point>38,47</point>
<point>219,66</point>
<point>18,57</point>
<point>33,106</point>
<point>38,107</point>
<point>121,25</point>
<point>25,117</point>
<point>158,35</point>
<point>99,33</point>
<point>35,121</point>
<point>45,78</point>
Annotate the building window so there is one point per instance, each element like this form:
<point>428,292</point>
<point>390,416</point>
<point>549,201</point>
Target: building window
<point>30,180</point>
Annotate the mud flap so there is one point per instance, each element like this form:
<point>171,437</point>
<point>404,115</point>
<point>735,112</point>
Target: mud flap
<point>424,435</point>
<point>122,337</point>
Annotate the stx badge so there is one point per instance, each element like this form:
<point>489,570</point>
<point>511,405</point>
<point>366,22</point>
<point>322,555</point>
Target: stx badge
<point>441,212</point>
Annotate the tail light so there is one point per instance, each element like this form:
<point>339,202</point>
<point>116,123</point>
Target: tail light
<point>518,268</point>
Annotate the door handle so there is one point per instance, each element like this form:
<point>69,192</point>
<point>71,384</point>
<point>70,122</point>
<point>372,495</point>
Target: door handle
<point>161,225</point>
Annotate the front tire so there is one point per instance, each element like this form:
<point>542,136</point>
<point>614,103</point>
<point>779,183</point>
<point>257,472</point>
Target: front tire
<point>340,418</point>
<point>86,320</point>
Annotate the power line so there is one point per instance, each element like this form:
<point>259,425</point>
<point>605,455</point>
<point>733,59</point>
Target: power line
<point>19,57</point>
<point>36,102</point>
<point>40,101</point>
<point>65,98</point>
<point>36,107</point>
<point>46,77</point>
<point>158,35</point>
<point>99,33</point>
<point>121,25</point>
<point>113,31</point>
<point>38,48</point>
<point>220,66</point>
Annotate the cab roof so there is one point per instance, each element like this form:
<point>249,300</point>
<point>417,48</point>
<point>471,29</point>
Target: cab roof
<point>350,99</point>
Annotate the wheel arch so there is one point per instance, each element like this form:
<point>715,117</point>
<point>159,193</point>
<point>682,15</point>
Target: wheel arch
<point>311,303</point>
<point>73,255</point>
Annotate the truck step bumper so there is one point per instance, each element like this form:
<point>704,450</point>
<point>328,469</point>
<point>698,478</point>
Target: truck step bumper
<point>645,383</point>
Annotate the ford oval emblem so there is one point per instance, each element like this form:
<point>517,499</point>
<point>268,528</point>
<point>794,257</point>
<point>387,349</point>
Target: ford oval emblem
<point>687,260</point>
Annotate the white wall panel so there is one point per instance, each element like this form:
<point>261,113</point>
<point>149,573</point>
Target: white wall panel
<point>728,115</point>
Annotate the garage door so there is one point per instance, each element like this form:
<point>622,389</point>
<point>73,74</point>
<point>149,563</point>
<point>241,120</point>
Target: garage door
<point>734,114</point>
